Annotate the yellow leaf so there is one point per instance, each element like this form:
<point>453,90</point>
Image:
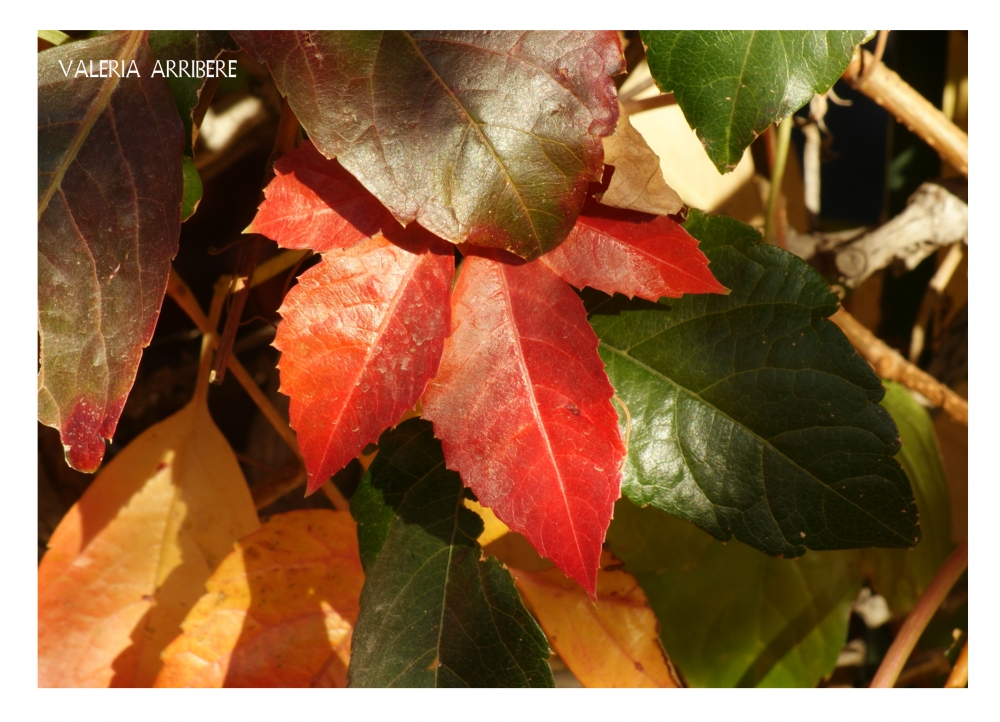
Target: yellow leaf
<point>637,183</point>
<point>130,558</point>
<point>613,644</point>
<point>493,528</point>
<point>278,612</point>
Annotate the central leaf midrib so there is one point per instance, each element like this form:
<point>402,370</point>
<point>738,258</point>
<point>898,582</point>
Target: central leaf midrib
<point>763,440</point>
<point>479,132</point>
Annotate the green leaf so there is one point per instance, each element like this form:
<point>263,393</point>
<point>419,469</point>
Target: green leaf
<point>433,614</point>
<point>192,189</point>
<point>731,85</point>
<point>902,576</point>
<point>189,46</point>
<point>729,616</point>
<point>750,414</point>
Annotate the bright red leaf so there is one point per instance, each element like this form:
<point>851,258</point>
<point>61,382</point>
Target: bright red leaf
<point>636,254</point>
<point>523,408</point>
<point>360,336</point>
<point>314,203</point>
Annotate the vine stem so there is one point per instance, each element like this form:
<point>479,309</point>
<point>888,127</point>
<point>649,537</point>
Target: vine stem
<point>209,336</point>
<point>777,175</point>
<point>945,578</point>
<point>889,364</point>
<point>178,290</point>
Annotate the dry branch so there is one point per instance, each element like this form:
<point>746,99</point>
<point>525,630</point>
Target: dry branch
<point>889,364</point>
<point>934,217</point>
<point>886,88</point>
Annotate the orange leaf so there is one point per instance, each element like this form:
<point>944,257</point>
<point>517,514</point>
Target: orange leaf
<point>130,558</point>
<point>279,611</point>
<point>613,644</point>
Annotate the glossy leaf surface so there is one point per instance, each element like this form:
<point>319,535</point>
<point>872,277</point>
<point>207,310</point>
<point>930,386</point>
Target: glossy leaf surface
<point>750,414</point>
<point>360,335</point>
<point>613,643</point>
<point>902,576</point>
<point>132,556</point>
<point>171,47</point>
<point>637,183</point>
<point>730,616</point>
<point>109,212</point>
<point>433,613</point>
<point>631,253</point>
<point>278,612</point>
<point>313,203</point>
<point>523,409</point>
<point>732,84</point>
<point>431,123</point>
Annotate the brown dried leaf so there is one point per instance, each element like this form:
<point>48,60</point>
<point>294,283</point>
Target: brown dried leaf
<point>637,183</point>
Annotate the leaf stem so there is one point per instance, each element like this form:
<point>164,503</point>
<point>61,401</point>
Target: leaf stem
<point>777,174</point>
<point>209,337</point>
<point>917,621</point>
<point>178,290</point>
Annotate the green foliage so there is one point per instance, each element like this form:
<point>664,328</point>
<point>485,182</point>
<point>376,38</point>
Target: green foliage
<point>192,189</point>
<point>902,576</point>
<point>750,414</point>
<point>731,85</point>
<point>730,616</point>
<point>433,614</point>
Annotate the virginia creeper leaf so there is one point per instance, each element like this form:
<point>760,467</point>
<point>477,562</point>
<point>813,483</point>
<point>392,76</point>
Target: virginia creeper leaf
<point>171,47</point>
<point>486,137</point>
<point>314,203</point>
<point>732,84</point>
<point>750,414</point>
<point>192,189</point>
<point>433,613</point>
<point>637,183</point>
<point>131,558</point>
<point>633,254</point>
<point>523,409</point>
<point>902,576</point>
<point>279,610</point>
<point>730,616</point>
<point>614,643</point>
<point>360,335</point>
<point>109,211</point>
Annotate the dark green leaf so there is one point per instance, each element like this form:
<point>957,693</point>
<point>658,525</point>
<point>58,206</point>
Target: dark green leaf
<point>192,189</point>
<point>731,85</point>
<point>751,415</point>
<point>110,186</point>
<point>189,46</point>
<point>902,576</point>
<point>433,614</point>
<point>730,616</point>
<point>489,137</point>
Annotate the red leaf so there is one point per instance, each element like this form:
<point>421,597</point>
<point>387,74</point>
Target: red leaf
<point>314,203</point>
<point>632,253</point>
<point>110,184</point>
<point>489,137</point>
<point>360,336</point>
<point>523,409</point>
